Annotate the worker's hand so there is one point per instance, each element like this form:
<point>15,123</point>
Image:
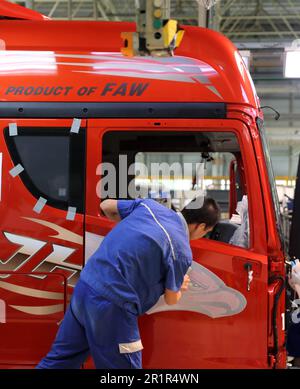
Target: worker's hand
<point>185,284</point>
<point>172,297</point>
<point>295,276</point>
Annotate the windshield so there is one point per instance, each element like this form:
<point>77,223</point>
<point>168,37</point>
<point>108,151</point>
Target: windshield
<point>260,125</point>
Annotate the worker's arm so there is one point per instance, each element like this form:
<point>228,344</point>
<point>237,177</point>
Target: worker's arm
<point>117,210</point>
<point>109,208</point>
<point>172,297</point>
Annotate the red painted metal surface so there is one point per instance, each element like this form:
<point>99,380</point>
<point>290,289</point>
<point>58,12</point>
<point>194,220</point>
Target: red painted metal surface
<point>86,67</point>
<point>215,72</point>
<point>24,330</point>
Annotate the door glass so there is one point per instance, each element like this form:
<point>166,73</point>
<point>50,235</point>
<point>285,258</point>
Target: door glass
<point>46,161</point>
<point>173,168</point>
<point>182,176</point>
<point>53,163</point>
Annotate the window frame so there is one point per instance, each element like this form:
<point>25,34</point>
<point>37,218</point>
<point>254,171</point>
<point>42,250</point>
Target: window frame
<point>77,141</point>
<point>271,179</point>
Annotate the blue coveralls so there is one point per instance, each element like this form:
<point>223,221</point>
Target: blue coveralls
<point>146,253</point>
<point>293,340</point>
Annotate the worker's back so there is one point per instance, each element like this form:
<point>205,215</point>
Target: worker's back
<point>136,260</point>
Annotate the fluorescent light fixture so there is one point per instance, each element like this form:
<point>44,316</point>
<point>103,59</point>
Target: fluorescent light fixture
<point>245,54</point>
<point>292,60</point>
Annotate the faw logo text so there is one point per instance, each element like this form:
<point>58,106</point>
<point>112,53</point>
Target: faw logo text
<point>129,89</point>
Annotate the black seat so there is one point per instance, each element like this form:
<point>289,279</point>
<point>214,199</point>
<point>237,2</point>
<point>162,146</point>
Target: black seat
<point>223,231</point>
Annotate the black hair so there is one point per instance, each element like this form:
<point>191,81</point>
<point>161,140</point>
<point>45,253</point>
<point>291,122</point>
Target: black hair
<point>209,213</point>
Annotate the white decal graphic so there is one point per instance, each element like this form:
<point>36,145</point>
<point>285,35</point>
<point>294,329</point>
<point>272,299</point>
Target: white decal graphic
<point>92,242</point>
<point>179,69</point>
<point>61,232</point>
<point>57,260</point>
<point>32,292</point>
<point>29,247</point>
<point>2,312</point>
<point>43,310</point>
<point>207,294</point>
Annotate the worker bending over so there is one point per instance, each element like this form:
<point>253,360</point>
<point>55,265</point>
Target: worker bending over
<point>146,255</point>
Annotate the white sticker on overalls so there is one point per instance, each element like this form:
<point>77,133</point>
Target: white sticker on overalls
<point>132,347</point>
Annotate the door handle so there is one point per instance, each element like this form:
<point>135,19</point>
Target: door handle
<point>248,268</point>
<point>253,267</point>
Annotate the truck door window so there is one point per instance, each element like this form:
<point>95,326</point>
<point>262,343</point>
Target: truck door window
<point>53,162</point>
<point>190,174</point>
<point>174,167</point>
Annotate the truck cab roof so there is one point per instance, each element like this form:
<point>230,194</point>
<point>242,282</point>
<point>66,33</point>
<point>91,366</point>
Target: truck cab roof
<point>206,68</point>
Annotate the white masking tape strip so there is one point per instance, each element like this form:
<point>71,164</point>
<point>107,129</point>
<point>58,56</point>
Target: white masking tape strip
<point>40,205</point>
<point>13,129</point>
<point>71,213</point>
<point>75,126</point>
<point>15,171</point>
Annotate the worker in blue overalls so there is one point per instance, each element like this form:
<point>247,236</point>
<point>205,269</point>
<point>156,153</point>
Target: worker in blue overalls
<point>145,256</point>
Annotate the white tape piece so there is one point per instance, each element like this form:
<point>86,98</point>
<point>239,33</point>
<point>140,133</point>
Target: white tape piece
<point>62,192</point>
<point>92,242</point>
<point>71,213</point>
<point>75,126</point>
<point>13,129</point>
<point>15,171</point>
<point>40,205</point>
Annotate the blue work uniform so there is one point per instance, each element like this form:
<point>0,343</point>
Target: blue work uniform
<point>293,340</point>
<point>147,252</point>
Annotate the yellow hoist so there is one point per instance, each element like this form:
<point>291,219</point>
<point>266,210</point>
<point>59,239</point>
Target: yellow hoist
<point>157,34</point>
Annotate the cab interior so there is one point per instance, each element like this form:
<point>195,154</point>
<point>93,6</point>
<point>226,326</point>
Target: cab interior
<point>188,164</point>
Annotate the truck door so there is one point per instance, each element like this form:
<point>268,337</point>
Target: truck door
<point>221,322</point>
<point>41,242</point>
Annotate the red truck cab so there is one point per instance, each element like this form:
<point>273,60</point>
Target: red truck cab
<point>62,114</point>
